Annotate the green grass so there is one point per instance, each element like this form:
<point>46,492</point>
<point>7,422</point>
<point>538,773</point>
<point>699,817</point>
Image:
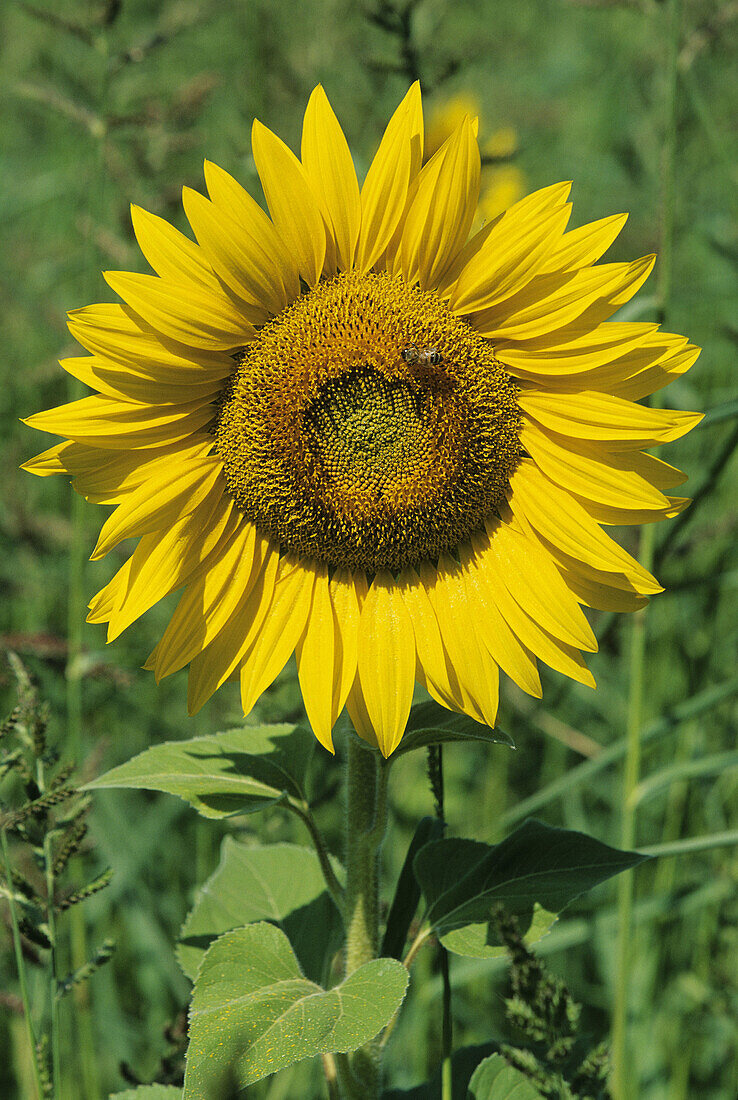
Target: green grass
<point>89,128</point>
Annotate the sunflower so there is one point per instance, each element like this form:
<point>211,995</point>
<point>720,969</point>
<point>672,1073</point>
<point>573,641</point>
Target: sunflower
<point>352,431</point>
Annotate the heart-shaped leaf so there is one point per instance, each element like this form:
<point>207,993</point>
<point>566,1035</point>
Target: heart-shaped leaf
<point>237,772</point>
<point>281,883</point>
<point>463,880</point>
<point>494,1079</point>
<point>431,724</point>
<point>473,939</point>
<point>253,1012</point>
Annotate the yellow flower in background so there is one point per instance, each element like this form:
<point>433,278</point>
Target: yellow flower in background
<point>501,185</point>
<point>446,117</point>
<point>349,431</point>
<point>505,184</point>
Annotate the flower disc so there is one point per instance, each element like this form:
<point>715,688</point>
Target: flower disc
<point>346,453</point>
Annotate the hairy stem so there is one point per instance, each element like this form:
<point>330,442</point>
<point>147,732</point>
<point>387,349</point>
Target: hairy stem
<point>366,822</point>
<point>331,1076</point>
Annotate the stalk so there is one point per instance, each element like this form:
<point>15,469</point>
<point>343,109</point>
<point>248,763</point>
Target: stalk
<point>625,1070</point>
<point>20,964</point>
<point>447,1033</point>
<point>366,822</point>
<point>55,1035</point>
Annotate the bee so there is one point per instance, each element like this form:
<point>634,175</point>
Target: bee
<point>424,357</point>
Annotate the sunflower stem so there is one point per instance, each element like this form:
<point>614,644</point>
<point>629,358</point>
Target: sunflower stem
<point>366,822</point>
<point>625,1081</point>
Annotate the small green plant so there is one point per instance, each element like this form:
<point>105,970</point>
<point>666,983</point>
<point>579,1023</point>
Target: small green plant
<point>542,1009</point>
<point>42,826</point>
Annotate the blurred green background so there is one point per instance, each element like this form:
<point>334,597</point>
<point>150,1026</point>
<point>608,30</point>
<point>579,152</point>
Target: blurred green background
<point>107,104</point>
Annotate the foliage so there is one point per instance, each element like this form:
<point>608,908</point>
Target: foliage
<point>46,818</point>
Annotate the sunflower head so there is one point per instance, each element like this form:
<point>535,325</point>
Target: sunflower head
<point>354,430</point>
<point>367,427</point>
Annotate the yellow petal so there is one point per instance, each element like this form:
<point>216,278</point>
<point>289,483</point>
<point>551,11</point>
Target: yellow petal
<point>503,645</point>
<point>102,605</point>
<point>172,255</point>
<point>584,246</point>
<point>316,660</point>
<point>598,594</point>
<point>384,193</point>
<point>114,332</point>
<point>582,354</point>
<point>529,207</point>
<point>549,302</point>
<point>607,419</point>
<point>554,652</point>
<point>613,372</point>
<point>653,378</point>
<point>604,477</point>
<point>623,516</point>
<point>291,202</point>
<point>438,221</point>
<point>505,230</point>
<point>477,673</point>
<point>209,599</point>
<point>506,264</point>
<point>238,254</point>
<point>574,350</point>
<point>438,675</point>
<point>654,470</point>
<point>237,203</point>
<point>327,161</point>
<point>192,316</point>
<point>534,582</point>
<point>114,424</point>
<point>564,523</point>
<point>601,309</point>
<point>280,632</point>
<point>211,667</point>
<point>108,477</point>
<point>386,661</point>
<point>159,502</point>
<point>162,562</point>
<point>48,462</point>
<point>115,381</point>
<point>346,591</point>
<point>359,714</point>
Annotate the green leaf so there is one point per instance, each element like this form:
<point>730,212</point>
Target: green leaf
<point>407,892</point>
<point>253,1012</point>
<point>432,724</point>
<point>237,772</point>
<point>281,883</point>
<point>473,939</point>
<point>149,1092</point>
<point>463,880</point>
<point>494,1079</point>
